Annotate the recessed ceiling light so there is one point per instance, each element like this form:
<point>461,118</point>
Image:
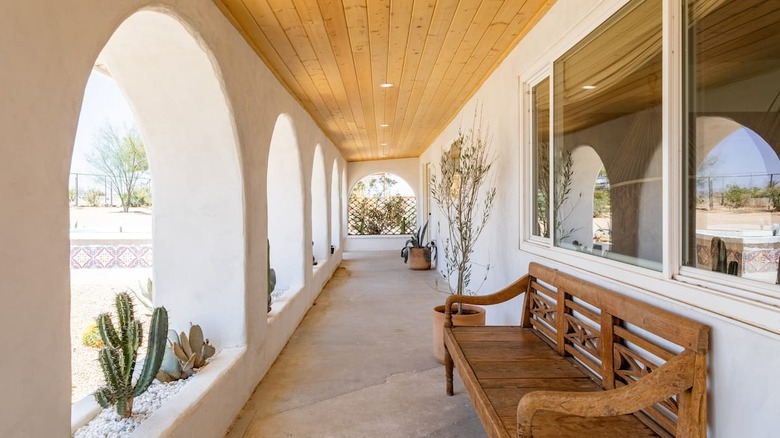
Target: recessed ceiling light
<point>383,144</point>
<point>386,85</point>
<point>588,87</point>
<point>384,125</point>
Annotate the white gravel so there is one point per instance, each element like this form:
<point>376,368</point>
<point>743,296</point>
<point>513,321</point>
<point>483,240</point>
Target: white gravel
<point>109,424</point>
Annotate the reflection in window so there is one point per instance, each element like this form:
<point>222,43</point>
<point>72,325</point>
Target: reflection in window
<point>733,170</point>
<point>540,96</point>
<point>607,115</point>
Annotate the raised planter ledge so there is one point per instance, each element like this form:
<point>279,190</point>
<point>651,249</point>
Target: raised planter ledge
<point>176,409</point>
<point>180,408</point>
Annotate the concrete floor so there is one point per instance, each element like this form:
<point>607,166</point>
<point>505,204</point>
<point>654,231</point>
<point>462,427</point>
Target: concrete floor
<point>360,363</point>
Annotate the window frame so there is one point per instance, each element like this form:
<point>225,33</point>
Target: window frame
<point>753,304</point>
<point>530,155</point>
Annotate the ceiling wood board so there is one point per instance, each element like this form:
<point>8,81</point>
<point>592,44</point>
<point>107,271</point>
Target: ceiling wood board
<point>332,55</point>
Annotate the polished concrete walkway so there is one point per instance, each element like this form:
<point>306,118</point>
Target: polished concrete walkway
<point>360,363</point>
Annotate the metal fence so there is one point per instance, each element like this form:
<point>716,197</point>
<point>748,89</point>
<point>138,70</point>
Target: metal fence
<point>94,190</point>
<point>756,190</point>
<point>393,215</point>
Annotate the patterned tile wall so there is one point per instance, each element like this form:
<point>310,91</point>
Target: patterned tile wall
<point>110,256</point>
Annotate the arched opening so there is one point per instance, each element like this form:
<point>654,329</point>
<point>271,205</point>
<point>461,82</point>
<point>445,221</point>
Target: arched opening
<point>575,222</point>
<point>382,204</point>
<point>197,222</point>
<point>110,223</point>
<point>319,207</point>
<point>737,198</point>
<point>335,206</point>
<point>602,213</point>
<point>285,207</point>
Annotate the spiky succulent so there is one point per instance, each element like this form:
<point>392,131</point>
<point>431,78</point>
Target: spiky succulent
<point>118,356</point>
<point>184,354</point>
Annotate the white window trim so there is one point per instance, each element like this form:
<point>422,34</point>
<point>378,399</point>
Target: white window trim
<point>528,197</point>
<point>751,304</point>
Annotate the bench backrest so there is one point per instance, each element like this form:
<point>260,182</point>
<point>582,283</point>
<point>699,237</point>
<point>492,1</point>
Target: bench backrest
<point>617,339</point>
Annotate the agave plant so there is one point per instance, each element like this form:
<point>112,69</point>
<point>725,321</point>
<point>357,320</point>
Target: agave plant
<point>184,354</point>
<point>144,294</point>
<point>118,356</point>
<point>416,241</point>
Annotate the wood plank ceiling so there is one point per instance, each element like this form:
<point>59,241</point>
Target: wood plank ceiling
<point>334,56</point>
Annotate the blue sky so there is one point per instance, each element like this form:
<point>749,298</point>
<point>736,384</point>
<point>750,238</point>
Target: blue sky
<point>745,158</point>
<point>103,102</point>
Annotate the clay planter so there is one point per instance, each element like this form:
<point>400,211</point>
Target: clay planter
<point>473,315</point>
<point>417,259</point>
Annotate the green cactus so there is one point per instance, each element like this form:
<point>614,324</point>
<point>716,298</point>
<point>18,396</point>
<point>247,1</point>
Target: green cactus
<point>183,355</point>
<point>118,356</point>
<point>271,275</point>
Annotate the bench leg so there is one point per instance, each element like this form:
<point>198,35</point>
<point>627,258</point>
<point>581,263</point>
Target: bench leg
<point>448,365</point>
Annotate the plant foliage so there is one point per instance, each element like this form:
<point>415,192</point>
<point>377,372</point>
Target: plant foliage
<point>466,199</point>
<point>122,158</point>
<point>118,356</point>
<point>416,241</point>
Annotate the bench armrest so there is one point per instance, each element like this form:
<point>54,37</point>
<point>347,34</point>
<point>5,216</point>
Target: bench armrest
<point>674,377</point>
<point>501,296</point>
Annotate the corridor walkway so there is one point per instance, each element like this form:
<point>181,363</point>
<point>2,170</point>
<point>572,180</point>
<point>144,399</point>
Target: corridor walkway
<point>360,363</point>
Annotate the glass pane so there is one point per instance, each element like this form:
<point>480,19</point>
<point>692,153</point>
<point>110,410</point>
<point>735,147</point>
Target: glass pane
<point>607,139</point>
<point>733,127</point>
<point>540,96</point>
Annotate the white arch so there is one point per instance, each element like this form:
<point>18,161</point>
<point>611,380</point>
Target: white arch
<point>335,206</point>
<point>393,175</point>
<point>176,93</point>
<point>319,206</point>
<point>285,206</point>
<point>586,164</point>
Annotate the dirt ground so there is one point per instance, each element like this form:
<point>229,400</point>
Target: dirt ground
<point>721,218</point>
<point>110,220</point>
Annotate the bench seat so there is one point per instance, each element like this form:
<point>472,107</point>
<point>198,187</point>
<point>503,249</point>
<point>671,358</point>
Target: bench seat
<point>508,362</point>
<point>584,362</point>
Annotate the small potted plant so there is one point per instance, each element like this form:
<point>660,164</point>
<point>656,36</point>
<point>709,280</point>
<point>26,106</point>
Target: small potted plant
<point>417,253</point>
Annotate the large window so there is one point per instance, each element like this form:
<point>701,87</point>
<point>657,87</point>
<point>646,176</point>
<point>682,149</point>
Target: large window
<point>607,121</point>
<point>732,175</point>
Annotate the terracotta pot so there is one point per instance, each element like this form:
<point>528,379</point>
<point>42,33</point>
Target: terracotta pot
<point>473,316</point>
<point>417,259</point>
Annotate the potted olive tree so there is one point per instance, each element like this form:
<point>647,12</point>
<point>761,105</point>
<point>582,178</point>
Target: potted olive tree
<point>465,197</point>
<point>417,252</point>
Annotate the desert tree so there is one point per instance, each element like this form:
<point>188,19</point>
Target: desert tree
<point>121,157</point>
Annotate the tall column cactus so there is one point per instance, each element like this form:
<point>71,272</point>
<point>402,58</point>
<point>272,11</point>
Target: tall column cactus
<point>118,356</point>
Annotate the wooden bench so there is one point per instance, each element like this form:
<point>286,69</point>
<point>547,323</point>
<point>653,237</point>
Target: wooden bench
<point>583,360</point>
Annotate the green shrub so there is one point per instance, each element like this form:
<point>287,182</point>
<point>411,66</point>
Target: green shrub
<point>601,203</point>
<point>142,197</point>
<point>738,197</point>
<point>93,197</point>
<point>773,193</point>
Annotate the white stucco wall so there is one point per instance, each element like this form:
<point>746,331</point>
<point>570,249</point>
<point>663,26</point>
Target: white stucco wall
<point>48,49</point>
<point>743,391</point>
